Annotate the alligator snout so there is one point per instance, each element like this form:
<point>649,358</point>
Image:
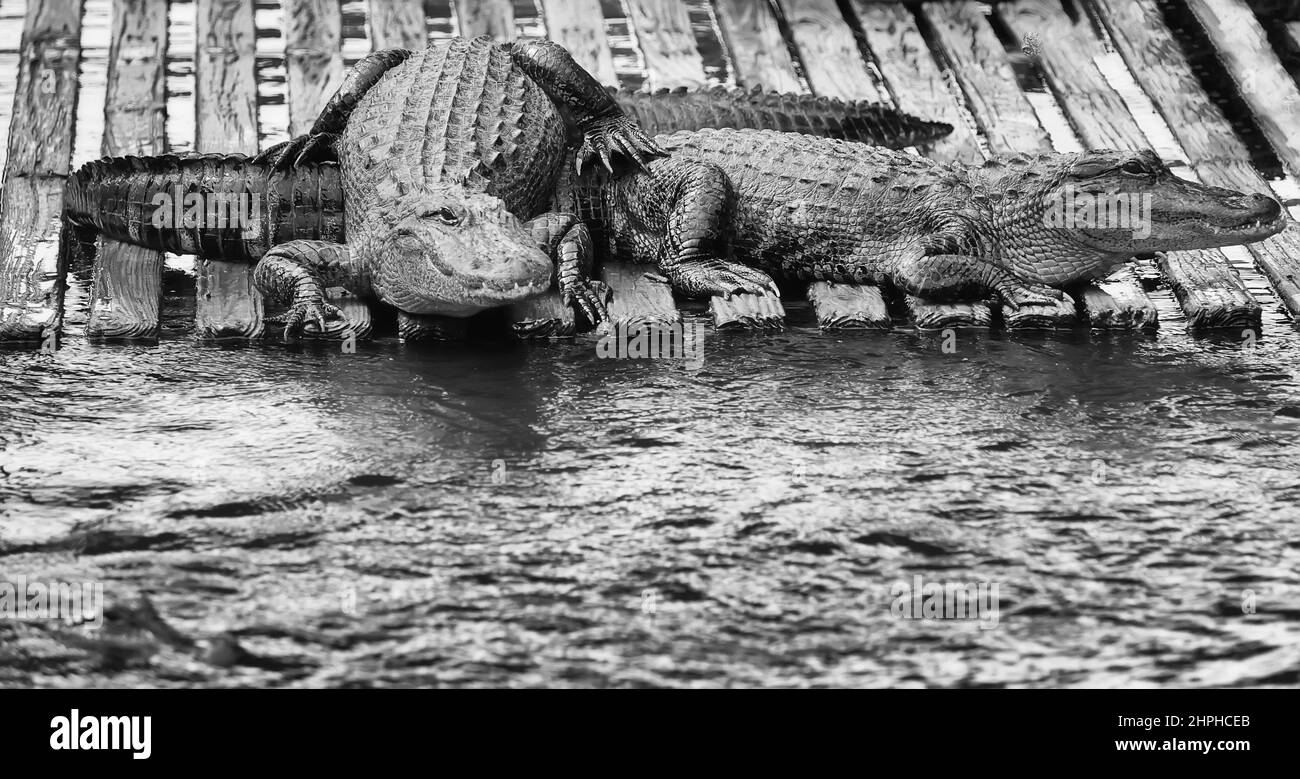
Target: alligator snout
<point>1259,205</point>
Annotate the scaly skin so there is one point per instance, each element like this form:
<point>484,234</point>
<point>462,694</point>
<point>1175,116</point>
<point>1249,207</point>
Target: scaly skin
<point>443,154</point>
<point>667,111</point>
<point>729,209</point>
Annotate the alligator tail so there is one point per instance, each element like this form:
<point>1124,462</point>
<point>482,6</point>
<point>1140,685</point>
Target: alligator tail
<point>218,206</point>
<point>667,111</point>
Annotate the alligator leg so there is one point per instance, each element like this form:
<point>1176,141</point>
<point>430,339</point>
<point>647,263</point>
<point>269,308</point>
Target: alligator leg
<point>430,327</point>
<point>949,275</point>
<point>319,145</point>
<point>567,241</point>
<point>295,275</point>
<point>606,129</point>
<point>683,209</point>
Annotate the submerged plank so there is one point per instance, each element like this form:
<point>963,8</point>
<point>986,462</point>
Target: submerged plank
<point>931,315</point>
<point>397,24</point>
<point>543,316</point>
<point>1218,156</point>
<point>758,50</point>
<point>747,312</point>
<point>1102,120</point>
<point>126,292</point>
<point>828,50</point>
<point>1209,300</point>
<point>1263,83</point>
<point>579,26</point>
<point>637,298</point>
<point>37,161</point>
<point>663,33</point>
<point>225,103</point>
<point>313,59</point>
<point>849,306</point>
<point>494,18</point>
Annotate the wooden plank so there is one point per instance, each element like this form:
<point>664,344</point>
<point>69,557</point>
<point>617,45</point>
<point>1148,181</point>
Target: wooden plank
<point>1118,303</point>
<point>747,312</point>
<point>543,316</point>
<point>494,18</point>
<point>1218,156</point>
<point>1263,83</point>
<point>1000,109</point>
<point>758,50</point>
<point>914,79</point>
<point>1209,300</point>
<point>579,26</point>
<point>127,280</point>
<point>918,86</point>
<point>225,103</point>
<point>663,34</point>
<point>313,58</point>
<point>828,50</point>
<point>397,24</point>
<point>849,306</point>
<point>986,77</point>
<point>760,56</point>
<point>38,157</point>
<point>637,298</point>
<point>1102,121</point>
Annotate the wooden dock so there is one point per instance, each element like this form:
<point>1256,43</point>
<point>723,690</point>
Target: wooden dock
<point>1011,76</point>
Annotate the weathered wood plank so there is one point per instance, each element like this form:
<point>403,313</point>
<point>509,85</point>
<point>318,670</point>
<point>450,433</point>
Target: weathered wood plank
<point>758,50</point>
<point>127,280</point>
<point>1102,121</point>
<point>828,50</point>
<point>849,306</point>
<point>1000,109</point>
<point>225,102</point>
<point>986,77</point>
<point>313,58</point>
<point>1210,300</point>
<point>636,298</point>
<point>747,312</point>
<point>918,86</point>
<point>663,33</point>
<point>579,26</point>
<point>1265,86</point>
<point>38,157</point>
<point>397,24</point>
<point>1219,157</point>
<point>914,78</point>
<point>1118,303</point>
<point>495,18</point>
<point>544,316</point>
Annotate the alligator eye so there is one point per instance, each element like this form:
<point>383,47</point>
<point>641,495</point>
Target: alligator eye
<point>447,216</point>
<point>1134,168</point>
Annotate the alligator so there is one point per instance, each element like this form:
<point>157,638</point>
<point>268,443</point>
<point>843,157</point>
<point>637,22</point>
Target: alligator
<point>729,209</point>
<point>442,153</point>
<point>294,215</point>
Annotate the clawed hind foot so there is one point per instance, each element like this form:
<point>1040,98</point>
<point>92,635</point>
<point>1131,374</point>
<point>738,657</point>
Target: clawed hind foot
<point>708,278</point>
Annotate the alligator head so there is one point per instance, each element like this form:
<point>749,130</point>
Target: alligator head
<point>1082,214</point>
<point>455,253</point>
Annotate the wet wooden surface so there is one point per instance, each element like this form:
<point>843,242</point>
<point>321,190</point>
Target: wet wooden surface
<point>397,24</point>
<point>637,299</point>
<point>227,306</point>
<point>126,294</point>
<point>579,26</point>
<point>494,18</point>
<point>663,30</point>
<point>827,48</point>
<point>313,59</point>
<point>758,51</point>
<point>38,157</point>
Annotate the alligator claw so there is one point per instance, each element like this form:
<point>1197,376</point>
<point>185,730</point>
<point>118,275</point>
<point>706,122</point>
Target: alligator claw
<point>316,312</point>
<point>584,295</point>
<point>1027,294</point>
<point>617,135</point>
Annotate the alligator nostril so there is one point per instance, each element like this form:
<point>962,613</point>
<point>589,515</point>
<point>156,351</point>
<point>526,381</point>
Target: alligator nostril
<point>1269,205</point>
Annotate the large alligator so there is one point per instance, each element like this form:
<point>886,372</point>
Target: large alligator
<point>728,209</point>
<point>292,204</point>
<point>442,153</point>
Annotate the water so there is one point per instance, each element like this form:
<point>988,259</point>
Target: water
<point>489,515</point>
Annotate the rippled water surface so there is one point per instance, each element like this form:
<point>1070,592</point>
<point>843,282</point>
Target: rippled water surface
<point>509,515</point>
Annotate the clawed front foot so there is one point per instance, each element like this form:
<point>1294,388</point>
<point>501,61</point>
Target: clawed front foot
<point>313,309</point>
<point>591,297</point>
<point>320,147</point>
<point>617,134</point>
<point>707,278</point>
